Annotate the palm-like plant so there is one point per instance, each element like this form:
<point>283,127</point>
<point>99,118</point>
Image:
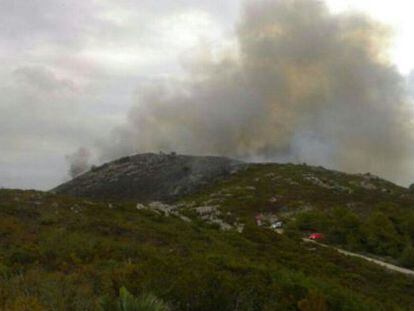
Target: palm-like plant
<point>145,302</point>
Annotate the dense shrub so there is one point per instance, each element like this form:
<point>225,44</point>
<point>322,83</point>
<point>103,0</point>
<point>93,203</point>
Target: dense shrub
<point>375,234</point>
<point>407,257</point>
<point>381,236</point>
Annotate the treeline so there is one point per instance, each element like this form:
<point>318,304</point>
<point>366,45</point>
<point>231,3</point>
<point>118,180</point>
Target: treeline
<point>387,231</point>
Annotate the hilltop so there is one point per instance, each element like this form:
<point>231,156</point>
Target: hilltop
<point>149,176</point>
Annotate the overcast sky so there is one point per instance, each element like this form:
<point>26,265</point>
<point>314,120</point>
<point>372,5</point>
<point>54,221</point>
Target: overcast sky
<point>70,69</point>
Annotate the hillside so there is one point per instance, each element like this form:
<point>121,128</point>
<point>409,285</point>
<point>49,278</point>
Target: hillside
<point>213,246</point>
<point>362,212</point>
<point>359,212</point>
<point>147,177</point>
<point>63,253</point>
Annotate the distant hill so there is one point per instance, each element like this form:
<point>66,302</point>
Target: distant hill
<point>150,177</point>
<point>358,212</point>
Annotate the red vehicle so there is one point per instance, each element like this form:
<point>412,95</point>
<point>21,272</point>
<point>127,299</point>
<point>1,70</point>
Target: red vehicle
<point>316,236</point>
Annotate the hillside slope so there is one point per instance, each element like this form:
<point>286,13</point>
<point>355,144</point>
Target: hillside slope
<point>361,213</point>
<point>358,212</point>
<point>150,176</point>
<point>64,253</point>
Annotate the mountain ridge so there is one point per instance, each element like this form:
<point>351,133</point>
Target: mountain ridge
<point>165,177</point>
<point>149,176</point>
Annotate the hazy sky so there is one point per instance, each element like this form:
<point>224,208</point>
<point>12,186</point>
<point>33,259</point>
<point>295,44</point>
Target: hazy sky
<point>70,69</point>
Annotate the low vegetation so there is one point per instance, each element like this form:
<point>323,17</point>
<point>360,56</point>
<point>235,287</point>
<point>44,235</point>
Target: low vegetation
<point>65,253</point>
<point>361,213</point>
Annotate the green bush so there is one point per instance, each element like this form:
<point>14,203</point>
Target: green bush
<point>344,227</point>
<point>381,235</point>
<point>407,257</point>
<point>312,221</point>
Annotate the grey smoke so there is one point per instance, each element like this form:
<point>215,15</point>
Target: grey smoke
<point>79,162</point>
<point>303,85</point>
<point>410,84</point>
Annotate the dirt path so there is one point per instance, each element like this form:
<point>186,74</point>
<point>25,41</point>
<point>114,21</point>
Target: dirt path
<point>378,262</point>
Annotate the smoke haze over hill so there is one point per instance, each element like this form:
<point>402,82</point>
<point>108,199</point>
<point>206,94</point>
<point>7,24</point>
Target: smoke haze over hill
<point>265,80</point>
<point>301,84</point>
<point>79,162</point>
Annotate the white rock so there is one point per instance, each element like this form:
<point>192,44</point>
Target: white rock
<point>140,206</point>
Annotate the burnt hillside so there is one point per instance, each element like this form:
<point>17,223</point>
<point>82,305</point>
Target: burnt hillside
<point>149,177</point>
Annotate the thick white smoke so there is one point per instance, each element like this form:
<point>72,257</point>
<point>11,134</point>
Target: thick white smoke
<point>303,85</point>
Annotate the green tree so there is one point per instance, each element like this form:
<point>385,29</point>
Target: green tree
<point>313,220</point>
<point>381,236</point>
<point>345,227</point>
<point>407,256</point>
<point>407,225</point>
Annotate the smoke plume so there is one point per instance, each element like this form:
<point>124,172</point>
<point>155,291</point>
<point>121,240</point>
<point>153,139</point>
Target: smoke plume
<point>79,162</point>
<point>303,85</point>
